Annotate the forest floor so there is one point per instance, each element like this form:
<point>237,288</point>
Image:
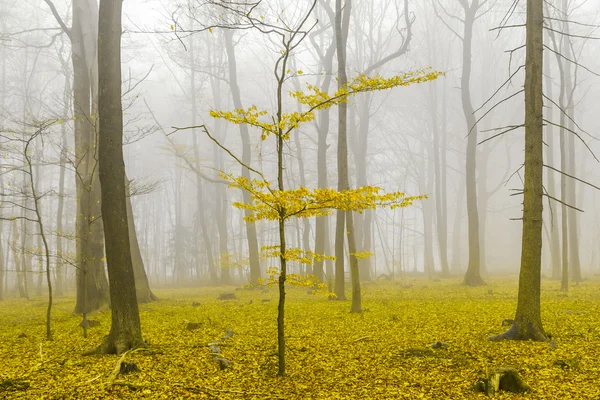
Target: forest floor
<point>332,354</point>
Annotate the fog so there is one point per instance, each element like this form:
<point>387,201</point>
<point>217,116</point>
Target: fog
<point>398,138</point>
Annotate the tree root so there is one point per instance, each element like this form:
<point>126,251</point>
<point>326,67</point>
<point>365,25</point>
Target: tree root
<point>515,334</point>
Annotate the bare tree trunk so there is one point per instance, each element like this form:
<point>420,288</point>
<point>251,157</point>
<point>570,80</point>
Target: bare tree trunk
<point>246,158</point>
<point>92,285</point>
<point>322,240</point>
<point>439,179</point>
<point>528,320</point>
<point>125,332</point>
<point>457,230</point>
<point>552,223</point>
<point>305,221</point>
<point>571,198</point>
<point>33,179</point>
<point>472,276</point>
<point>344,222</point>
<point>17,255</point>
<point>61,195</point>
<point>221,214</point>
<point>142,286</point>
<point>426,186</point>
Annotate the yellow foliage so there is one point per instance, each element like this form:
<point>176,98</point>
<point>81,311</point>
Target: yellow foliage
<point>295,254</point>
<point>272,204</point>
<point>333,354</point>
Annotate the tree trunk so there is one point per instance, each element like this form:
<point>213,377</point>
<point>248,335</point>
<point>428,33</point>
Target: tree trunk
<point>61,201</point>
<point>125,332</point>
<point>246,158</point>
<point>472,276</point>
<point>552,217</point>
<point>322,240</point>
<point>528,321</point>
<point>456,265</point>
<point>17,255</point>
<point>426,186</point>
<point>142,286</point>
<point>342,23</point>
<point>92,285</point>
<point>439,177</point>
<point>571,199</point>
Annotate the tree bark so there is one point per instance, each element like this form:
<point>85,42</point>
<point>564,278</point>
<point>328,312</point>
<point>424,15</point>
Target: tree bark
<point>125,332</point>
<point>528,321</point>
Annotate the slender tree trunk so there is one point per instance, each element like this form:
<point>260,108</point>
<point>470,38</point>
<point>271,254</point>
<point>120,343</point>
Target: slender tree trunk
<point>253,252</point>
<point>364,223</point>
<point>61,202</point>
<point>528,320</point>
<point>322,239</point>
<point>439,176</point>
<point>457,230</point>
<point>17,255</point>
<point>426,185</point>
<point>221,214</point>
<point>125,332</point>
<point>571,198</point>
<point>142,286</point>
<point>472,276</point>
<point>33,179</point>
<point>552,219</point>
<point>342,23</point>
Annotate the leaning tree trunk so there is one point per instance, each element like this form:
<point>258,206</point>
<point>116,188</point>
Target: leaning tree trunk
<point>528,320</point>
<point>125,332</point>
<point>142,286</point>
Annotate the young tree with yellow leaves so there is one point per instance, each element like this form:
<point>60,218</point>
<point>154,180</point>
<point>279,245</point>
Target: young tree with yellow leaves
<point>272,201</point>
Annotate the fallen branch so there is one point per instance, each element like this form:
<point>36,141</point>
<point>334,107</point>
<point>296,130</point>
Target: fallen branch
<point>211,391</point>
<point>215,350</point>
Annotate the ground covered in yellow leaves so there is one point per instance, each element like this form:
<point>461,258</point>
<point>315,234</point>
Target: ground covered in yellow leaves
<point>332,354</point>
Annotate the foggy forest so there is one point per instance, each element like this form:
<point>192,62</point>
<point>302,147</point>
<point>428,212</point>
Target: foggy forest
<point>312,199</point>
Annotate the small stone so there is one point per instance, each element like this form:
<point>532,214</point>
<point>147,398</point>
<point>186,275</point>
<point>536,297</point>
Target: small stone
<point>227,296</point>
<point>192,326</point>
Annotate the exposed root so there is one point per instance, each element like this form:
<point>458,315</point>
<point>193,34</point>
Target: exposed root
<point>514,333</point>
<point>110,345</point>
<point>473,281</point>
